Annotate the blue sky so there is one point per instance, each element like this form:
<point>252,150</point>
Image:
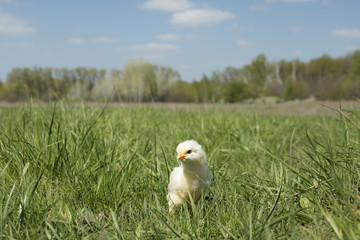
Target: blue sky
<point>191,36</point>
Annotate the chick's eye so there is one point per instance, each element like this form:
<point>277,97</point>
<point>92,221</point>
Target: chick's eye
<point>188,152</point>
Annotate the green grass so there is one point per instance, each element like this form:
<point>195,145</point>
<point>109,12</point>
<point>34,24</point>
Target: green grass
<point>70,172</point>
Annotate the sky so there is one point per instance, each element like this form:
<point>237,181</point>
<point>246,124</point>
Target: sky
<point>195,37</point>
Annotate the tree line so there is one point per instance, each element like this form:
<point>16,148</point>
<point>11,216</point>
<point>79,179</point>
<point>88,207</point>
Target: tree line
<point>323,78</point>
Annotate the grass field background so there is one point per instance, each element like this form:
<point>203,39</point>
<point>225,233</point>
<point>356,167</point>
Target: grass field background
<point>72,172</point>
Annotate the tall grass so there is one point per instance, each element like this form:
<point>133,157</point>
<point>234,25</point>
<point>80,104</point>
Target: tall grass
<point>71,172</point>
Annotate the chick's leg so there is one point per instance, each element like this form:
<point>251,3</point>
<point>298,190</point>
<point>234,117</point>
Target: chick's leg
<point>174,201</point>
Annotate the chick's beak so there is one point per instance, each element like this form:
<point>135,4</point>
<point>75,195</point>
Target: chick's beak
<point>181,157</point>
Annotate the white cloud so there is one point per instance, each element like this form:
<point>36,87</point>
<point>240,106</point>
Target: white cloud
<point>296,29</point>
<point>242,43</point>
<point>174,37</point>
<point>326,2</point>
<point>21,44</point>
<point>183,67</point>
<point>13,26</point>
<point>298,53</point>
<point>197,17</point>
<point>167,5</point>
<point>24,44</point>
<point>264,5</point>
<point>346,33</point>
<point>288,1</point>
<point>154,47</point>
<point>75,41</point>
<point>297,0</point>
<point>99,40</point>
<point>104,40</point>
<point>153,56</point>
<point>235,27</point>
<point>169,37</point>
<point>47,53</point>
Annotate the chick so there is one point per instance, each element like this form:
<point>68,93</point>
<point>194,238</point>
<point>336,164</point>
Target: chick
<point>192,178</point>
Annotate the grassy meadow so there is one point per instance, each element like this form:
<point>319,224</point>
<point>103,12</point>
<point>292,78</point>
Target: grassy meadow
<point>92,172</point>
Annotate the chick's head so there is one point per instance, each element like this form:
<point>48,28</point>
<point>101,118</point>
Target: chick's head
<point>190,151</point>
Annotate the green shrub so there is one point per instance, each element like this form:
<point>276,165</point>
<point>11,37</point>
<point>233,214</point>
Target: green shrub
<point>295,90</point>
<point>235,91</point>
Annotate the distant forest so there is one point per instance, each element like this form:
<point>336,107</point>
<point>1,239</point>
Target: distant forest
<point>323,78</point>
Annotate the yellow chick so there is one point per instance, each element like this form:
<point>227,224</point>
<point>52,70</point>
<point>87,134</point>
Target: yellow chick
<point>193,177</point>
